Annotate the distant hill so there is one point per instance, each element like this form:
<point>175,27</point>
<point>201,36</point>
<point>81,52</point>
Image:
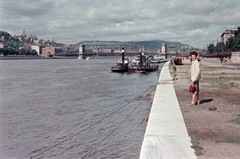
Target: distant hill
<point>143,43</point>
<point>158,42</point>
<point>151,45</point>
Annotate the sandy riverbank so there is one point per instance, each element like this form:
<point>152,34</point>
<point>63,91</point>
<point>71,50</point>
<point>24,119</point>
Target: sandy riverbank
<point>220,103</point>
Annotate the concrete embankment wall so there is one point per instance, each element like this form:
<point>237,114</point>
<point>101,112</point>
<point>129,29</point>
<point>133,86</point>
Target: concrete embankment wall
<point>235,57</point>
<point>166,136</point>
<point>218,59</point>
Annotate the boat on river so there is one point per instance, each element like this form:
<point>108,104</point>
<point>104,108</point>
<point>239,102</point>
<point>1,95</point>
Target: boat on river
<point>122,64</point>
<point>140,64</point>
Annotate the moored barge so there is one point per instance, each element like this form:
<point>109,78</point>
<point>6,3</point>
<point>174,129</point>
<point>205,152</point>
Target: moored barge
<point>139,64</point>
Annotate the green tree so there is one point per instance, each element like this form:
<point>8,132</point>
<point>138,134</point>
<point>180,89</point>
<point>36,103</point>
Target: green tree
<point>229,43</point>
<point>34,52</point>
<point>237,32</point>
<point>4,51</point>
<point>5,34</point>
<point>8,51</point>
<point>22,51</point>
<point>236,43</point>
<point>220,47</point>
<point>210,48</point>
<point>233,43</point>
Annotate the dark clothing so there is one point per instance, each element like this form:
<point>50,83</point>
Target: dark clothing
<point>196,83</point>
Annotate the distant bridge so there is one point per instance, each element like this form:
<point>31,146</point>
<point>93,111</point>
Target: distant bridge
<point>109,54</point>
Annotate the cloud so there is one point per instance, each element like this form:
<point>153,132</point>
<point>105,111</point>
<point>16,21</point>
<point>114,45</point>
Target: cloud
<point>73,20</point>
<point>197,32</point>
<point>22,8</point>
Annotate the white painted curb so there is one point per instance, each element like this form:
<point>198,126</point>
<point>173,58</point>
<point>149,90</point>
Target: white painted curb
<point>166,135</point>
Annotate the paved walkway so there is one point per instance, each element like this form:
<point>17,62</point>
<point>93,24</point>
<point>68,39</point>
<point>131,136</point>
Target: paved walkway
<point>166,136</point>
<point>217,63</point>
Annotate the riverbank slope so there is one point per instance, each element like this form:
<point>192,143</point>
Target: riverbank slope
<point>220,103</point>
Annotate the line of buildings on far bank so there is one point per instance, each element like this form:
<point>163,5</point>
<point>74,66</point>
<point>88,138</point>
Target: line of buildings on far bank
<point>43,47</point>
<point>31,42</point>
<point>49,47</point>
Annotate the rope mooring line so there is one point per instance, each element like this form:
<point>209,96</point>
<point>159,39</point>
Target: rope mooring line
<point>116,127</point>
<point>93,123</point>
<point>112,130</point>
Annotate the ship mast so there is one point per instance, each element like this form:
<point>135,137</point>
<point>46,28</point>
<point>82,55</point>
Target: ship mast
<point>123,57</point>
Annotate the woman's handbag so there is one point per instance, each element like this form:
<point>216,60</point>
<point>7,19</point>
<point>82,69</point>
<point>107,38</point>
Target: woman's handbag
<point>192,88</point>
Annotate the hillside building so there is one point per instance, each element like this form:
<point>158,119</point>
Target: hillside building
<point>37,48</point>
<point>23,33</point>
<point>24,36</point>
<point>117,51</point>
<point>3,45</point>
<point>96,50</point>
<point>107,50</point>
<point>51,51</point>
<point>4,35</point>
<point>227,34</point>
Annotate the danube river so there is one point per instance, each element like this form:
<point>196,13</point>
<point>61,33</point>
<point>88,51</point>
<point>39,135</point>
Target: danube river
<point>43,102</point>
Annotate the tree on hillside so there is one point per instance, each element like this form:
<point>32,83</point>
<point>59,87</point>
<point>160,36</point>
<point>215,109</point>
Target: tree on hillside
<point>4,51</point>
<point>54,44</point>
<point>9,51</point>
<point>5,34</point>
<point>34,52</point>
<point>22,52</point>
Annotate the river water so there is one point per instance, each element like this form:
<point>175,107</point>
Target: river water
<point>43,102</point>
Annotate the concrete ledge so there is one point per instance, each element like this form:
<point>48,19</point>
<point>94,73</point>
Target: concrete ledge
<point>235,57</point>
<point>166,136</point>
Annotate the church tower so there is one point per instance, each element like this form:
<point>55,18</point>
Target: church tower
<point>23,32</point>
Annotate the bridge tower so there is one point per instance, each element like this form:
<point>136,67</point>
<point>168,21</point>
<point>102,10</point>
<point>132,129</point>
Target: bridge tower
<point>81,54</point>
<point>164,50</point>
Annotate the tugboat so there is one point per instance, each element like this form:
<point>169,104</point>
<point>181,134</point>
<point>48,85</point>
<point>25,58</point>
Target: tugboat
<point>142,64</point>
<point>122,65</point>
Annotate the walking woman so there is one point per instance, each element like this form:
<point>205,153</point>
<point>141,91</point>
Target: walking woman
<point>195,77</point>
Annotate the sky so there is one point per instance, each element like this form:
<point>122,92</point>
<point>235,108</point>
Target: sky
<point>193,22</point>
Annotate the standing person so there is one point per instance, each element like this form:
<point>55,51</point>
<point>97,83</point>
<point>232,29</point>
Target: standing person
<point>195,77</point>
<point>174,67</point>
<point>221,59</point>
<point>224,60</point>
